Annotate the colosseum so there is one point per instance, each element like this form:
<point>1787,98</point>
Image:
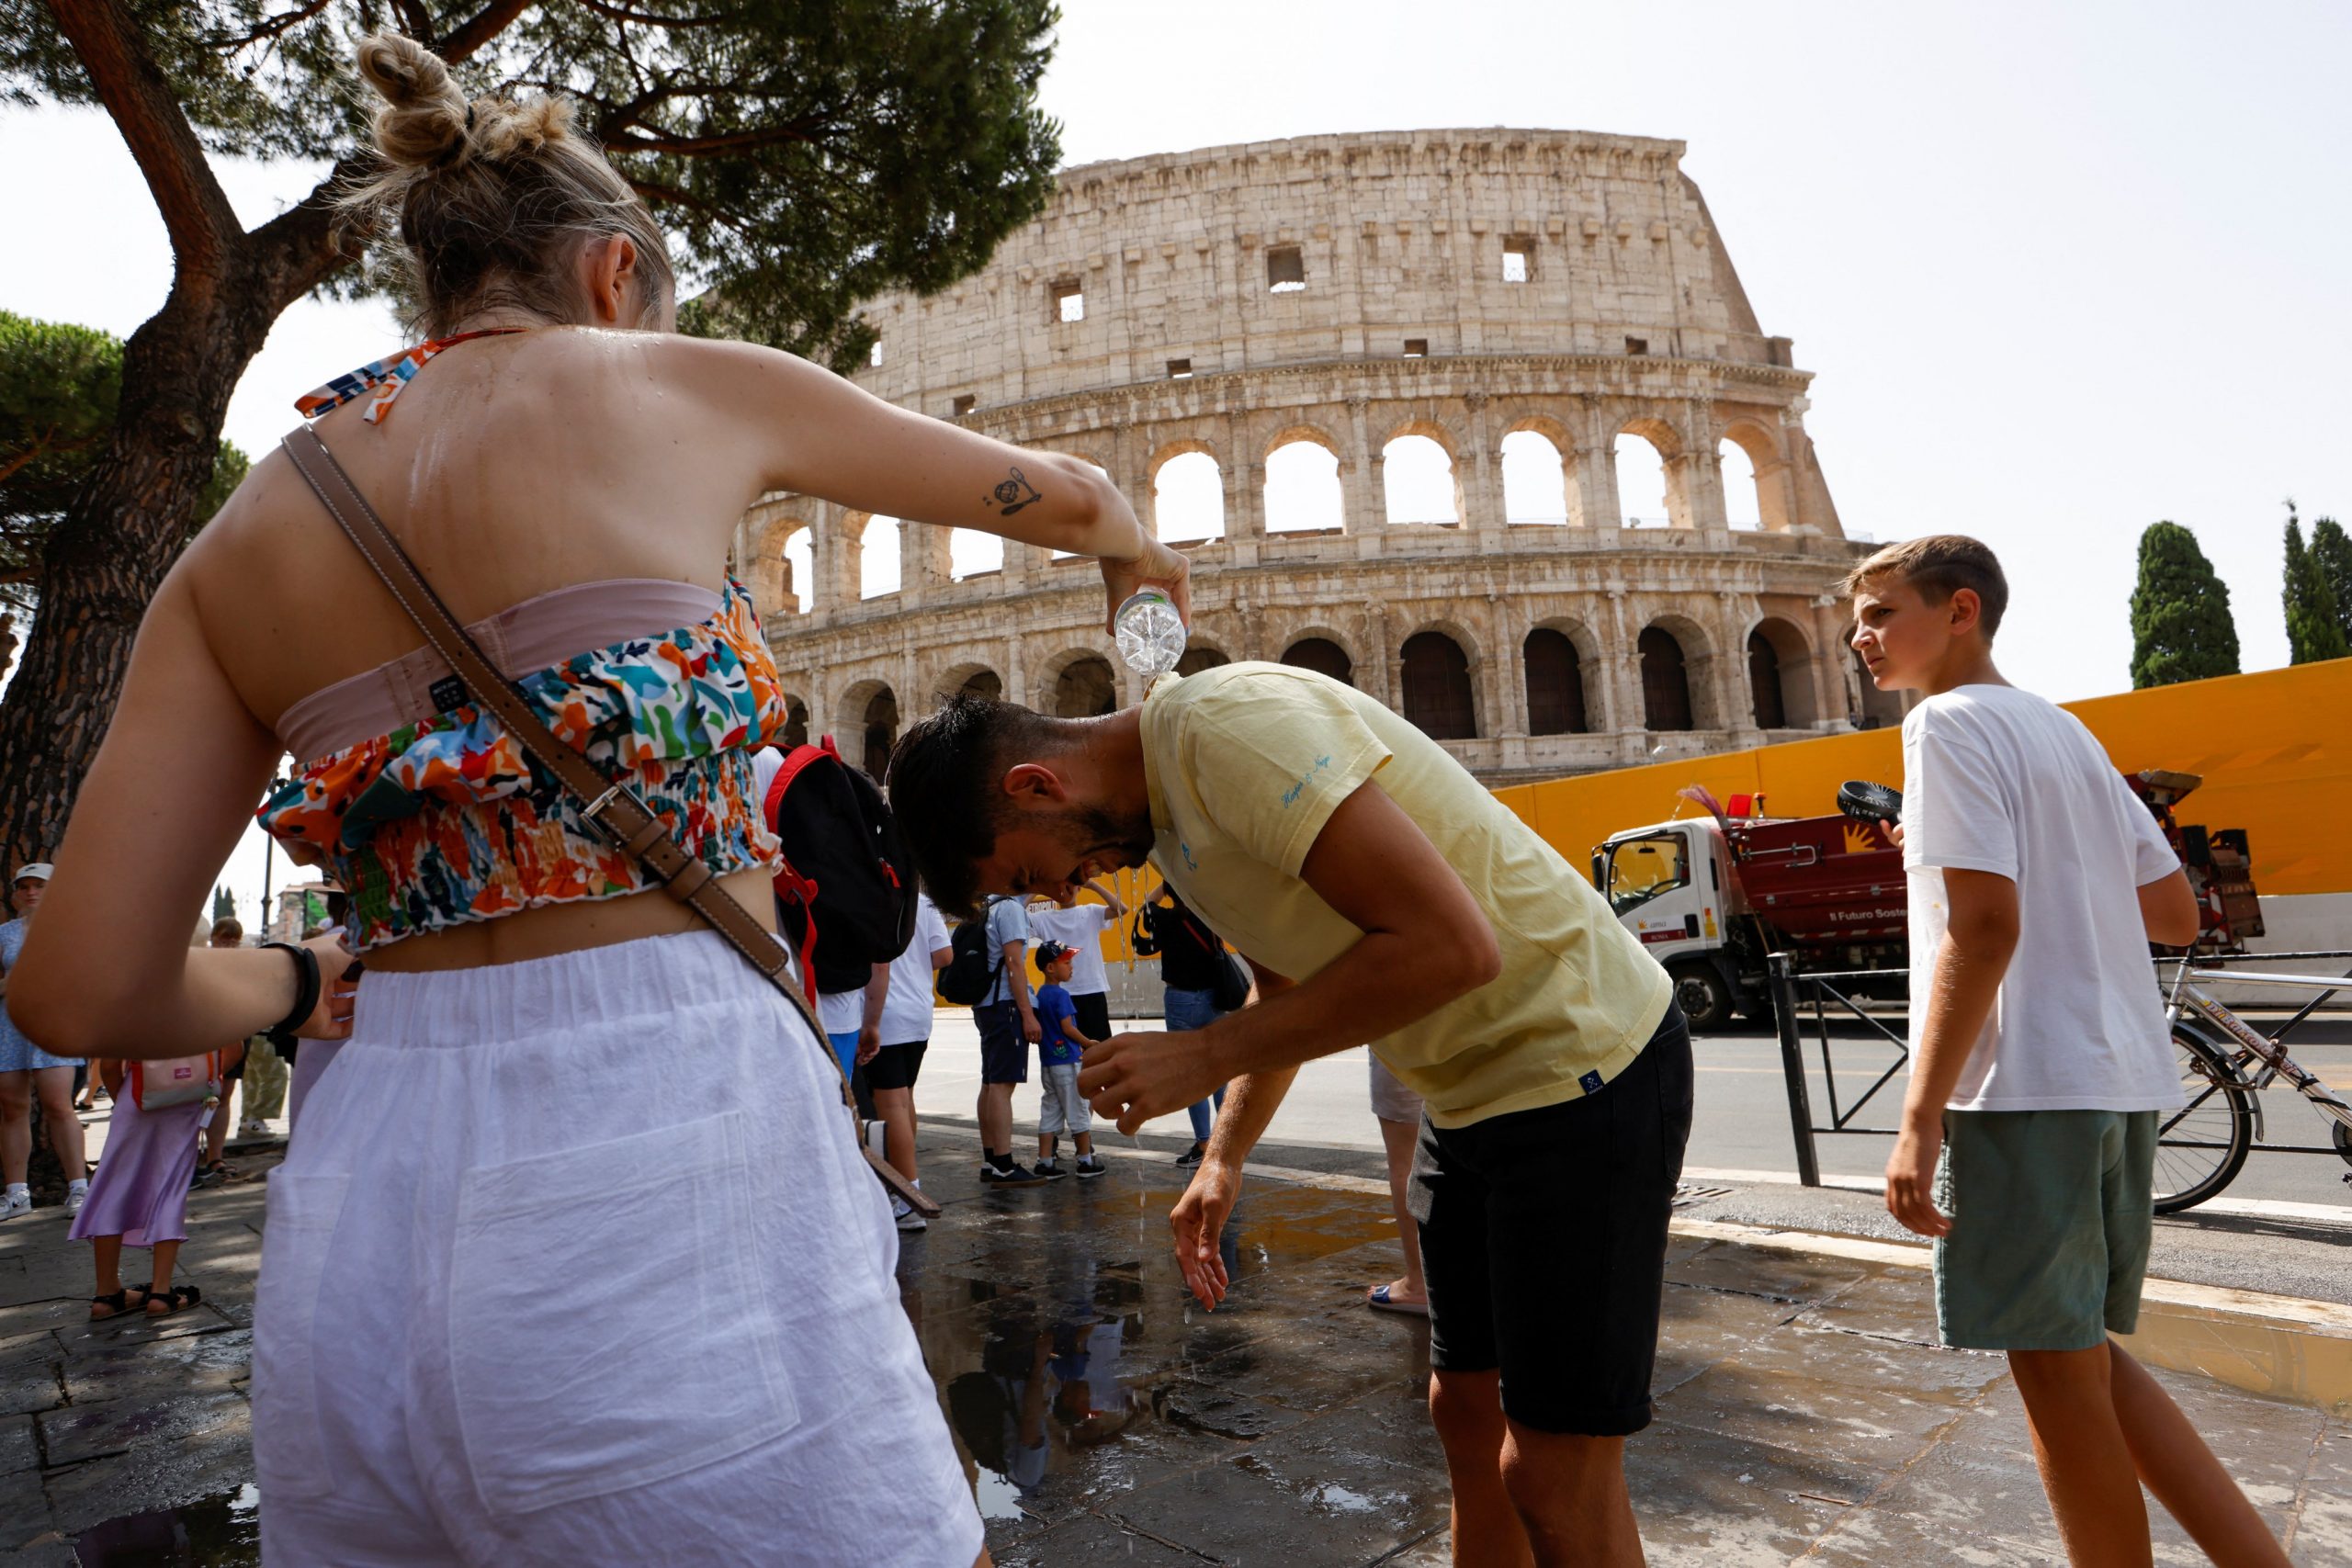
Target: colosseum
<point>1388,382</point>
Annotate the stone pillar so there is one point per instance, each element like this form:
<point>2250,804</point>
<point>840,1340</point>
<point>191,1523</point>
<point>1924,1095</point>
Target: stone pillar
<point>1245,484</point>
<point>1596,475</point>
<point>1510,655</point>
<point>831,562</point>
<point>1482,489</point>
<point>1023,565</point>
<point>1366,502</point>
<point>1016,674</point>
<point>1735,704</point>
<point>1832,706</point>
<point>1621,667</point>
<point>926,562</point>
<point>1694,489</point>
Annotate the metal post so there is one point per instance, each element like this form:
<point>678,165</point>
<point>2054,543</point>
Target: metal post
<point>1784,1015</point>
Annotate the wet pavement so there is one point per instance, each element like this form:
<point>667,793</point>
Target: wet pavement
<point>1804,1411</point>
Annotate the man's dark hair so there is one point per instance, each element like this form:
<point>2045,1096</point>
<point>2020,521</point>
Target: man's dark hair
<point>945,779</point>
<point>1936,566</point>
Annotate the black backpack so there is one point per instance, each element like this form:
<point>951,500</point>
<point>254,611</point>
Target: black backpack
<point>846,896</point>
<point>972,973</point>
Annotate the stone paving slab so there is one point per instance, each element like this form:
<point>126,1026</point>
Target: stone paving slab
<point>1105,1420</point>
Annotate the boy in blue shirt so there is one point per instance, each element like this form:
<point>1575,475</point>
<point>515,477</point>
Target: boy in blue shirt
<point>1060,1046</point>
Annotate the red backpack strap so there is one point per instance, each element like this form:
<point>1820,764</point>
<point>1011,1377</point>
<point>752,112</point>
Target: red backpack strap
<point>789,883</point>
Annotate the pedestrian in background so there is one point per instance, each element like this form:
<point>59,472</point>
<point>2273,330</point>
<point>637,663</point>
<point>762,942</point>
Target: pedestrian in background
<point>900,1003</point>
<point>214,1169</point>
<point>1060,1108</point>
<point>1080,928</point>
<point>1008,1023</point>
<point>141,1197</point>
<point>1398,1111</point>
<point>26,1071</point>
<point>1189,955</point>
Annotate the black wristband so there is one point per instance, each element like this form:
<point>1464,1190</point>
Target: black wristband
<point>306,993</point>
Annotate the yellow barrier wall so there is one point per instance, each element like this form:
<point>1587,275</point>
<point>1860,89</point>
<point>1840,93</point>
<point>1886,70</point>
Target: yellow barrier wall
<point>2275,749</point>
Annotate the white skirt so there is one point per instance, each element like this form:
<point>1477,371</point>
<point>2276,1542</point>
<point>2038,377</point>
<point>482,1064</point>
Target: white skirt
<point>575,1261</point>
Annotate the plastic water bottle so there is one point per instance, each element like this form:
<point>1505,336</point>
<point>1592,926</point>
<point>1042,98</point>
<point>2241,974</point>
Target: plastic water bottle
<point>1151,634</point>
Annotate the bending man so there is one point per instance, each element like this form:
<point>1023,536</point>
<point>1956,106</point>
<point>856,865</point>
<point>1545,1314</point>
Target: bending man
<point>1381,894</point>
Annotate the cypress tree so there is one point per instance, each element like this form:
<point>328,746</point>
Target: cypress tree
<point>2181,628</point>
<point>2314,628</point>
<point>2332,550</point>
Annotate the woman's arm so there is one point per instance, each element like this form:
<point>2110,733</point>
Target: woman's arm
<point>109,971</point>
<point>821,435</point>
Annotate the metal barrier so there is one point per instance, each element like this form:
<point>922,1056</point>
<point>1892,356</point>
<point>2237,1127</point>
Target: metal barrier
<point>1791,989</point>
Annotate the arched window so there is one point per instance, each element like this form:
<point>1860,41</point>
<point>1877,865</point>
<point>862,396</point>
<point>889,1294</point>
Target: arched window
<point>1555,684</point>
<point>1666,684</point>
<point>1535,483</point>
<point>1085,689</point>
<point>1324,656</point>
<point>881,732</point>
<point>1187,499</point>
<point>1199,656</point>
<point>1764,683</point>
<point>1417,474</point>
<point>878,559</point>
<point>971,553</point>
<point>1303,489</point>
<point>799,573</point>
<point>982,683</point>
<point>795,723</point>
<point>1641,482</point>
<point>1438,695</point>
<point>1743,498</point>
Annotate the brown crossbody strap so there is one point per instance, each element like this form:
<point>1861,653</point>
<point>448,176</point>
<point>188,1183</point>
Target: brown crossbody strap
<point>611,807</point>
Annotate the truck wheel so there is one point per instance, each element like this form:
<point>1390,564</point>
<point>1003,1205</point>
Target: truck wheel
<point>1705,999</point>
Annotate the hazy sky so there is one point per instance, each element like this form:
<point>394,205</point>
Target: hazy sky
<point>2060,269</point>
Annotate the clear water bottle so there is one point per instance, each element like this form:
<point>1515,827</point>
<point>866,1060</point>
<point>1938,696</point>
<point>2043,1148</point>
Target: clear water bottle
<point>1151,634</point>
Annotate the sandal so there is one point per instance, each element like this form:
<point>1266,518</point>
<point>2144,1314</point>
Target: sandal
<point>1379,1299</point>
<point>118,1304</point>
<point>172,1299</point>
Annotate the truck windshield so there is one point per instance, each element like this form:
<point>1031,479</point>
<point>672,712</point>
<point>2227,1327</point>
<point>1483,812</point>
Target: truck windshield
<point>1641,869</point>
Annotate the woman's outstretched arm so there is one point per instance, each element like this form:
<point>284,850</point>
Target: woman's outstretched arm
<point>106,969</point>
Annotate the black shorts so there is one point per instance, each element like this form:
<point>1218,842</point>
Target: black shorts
<point>1004,1050</point>
<point>1094,1009</point>
<point>1543,1242</point>
<point>896,1067</point>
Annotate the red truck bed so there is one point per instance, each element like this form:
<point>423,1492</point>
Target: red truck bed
<point>1822,881</point>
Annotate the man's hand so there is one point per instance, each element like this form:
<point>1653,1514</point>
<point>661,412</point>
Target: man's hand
<point>1131,1078</point>
<point>1198,1221</point>
<point>1030,1027</point>
<point>869,1043</point>
<point>1911,1180</point>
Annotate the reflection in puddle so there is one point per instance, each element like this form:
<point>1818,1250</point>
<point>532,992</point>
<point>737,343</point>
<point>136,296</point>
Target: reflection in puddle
<point>222,1532</point>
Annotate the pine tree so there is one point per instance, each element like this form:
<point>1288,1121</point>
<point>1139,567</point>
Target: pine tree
<point>2314,628</point>
<point>2332,553</point>
<point>224,904</point>
<point>804,154</point>
<point>2181,628</point>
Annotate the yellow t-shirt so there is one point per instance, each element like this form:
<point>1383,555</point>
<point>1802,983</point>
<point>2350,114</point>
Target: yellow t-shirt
<point>1246,763</point>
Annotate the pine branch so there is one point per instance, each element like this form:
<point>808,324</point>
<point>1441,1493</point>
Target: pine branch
<point>623,13</point>
<point>487,24</point>
<point>195,211</point>
<point>267,28</point>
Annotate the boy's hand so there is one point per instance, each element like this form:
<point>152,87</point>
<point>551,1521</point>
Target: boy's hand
<point>1911,1180</point>
<point>1198,1221</point>
<point>1131,1078</point>
<point>1031,1029</point>
<point>869,1043</point>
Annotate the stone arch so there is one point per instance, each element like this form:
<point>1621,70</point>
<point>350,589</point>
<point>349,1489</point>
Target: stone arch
<point>1078,682</point>
<point>1301,490</point>
<point>1779,675</point>
<point>779,585</point>
<point>868,725</point>
<point>1199,497</point>
<point>1666,688</point>
<point>881,559</point>
<point>1323,650</point>
<point>795,721</point>
<point>969,679</point>
<point>1644,501</point>
<point>1412,485</point>
<point>1438,691</point>
<point>1564,694</point>
<point>1761,447</point>
<point>1534,467</point>
<point>1200,656</point>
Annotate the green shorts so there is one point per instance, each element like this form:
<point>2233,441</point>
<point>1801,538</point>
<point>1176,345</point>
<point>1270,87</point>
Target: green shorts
<point>2051,1221</point>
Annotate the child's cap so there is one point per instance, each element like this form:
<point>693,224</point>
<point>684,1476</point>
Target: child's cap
<point>1053,953</point>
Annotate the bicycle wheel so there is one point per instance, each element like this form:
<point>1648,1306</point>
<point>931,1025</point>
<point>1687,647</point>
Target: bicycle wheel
<point>2202,1147</point>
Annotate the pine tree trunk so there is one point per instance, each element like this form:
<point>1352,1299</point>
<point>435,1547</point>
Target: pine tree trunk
<point>105,562</point>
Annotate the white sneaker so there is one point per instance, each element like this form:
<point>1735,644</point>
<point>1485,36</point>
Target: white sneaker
<point>17,1201</point>
<point>76,1194</point>
<point>253,1127</point>
<point>904,1213</point>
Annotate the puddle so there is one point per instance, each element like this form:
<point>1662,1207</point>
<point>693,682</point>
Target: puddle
<point>222,1532</point>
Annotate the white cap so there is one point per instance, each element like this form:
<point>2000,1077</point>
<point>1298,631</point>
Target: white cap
<point>40,870</point>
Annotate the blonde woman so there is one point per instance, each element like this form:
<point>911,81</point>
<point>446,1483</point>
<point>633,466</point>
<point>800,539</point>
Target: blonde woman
<point>525,1298</point>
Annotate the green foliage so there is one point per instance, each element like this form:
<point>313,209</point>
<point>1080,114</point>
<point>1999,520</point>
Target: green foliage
<point>804,154</point>
<point>2332,551</point>
<point>2314,626</point>
<point>2181,628</point>
<point>224,904</point>
<point>59,387</point>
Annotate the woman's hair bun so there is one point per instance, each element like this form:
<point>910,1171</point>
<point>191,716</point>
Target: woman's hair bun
<point>425,118</point>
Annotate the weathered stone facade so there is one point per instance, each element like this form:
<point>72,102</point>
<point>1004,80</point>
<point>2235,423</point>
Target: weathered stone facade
<point>1345,291</point>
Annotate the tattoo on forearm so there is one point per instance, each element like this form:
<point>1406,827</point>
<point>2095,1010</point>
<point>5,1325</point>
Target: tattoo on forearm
<point>1012,495</point>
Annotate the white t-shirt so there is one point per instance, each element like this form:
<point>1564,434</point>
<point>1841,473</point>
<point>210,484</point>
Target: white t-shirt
<point>906,1013</point>
<point>1008,921</point>
<point>1079,927</point>
<point>842,1012</point>
<point>1999,780</point>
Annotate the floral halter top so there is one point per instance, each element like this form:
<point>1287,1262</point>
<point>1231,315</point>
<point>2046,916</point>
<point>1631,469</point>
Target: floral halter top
<point>449,820</point>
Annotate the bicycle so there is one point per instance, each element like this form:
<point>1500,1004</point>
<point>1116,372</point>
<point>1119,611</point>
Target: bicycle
<point>2224,1063</point>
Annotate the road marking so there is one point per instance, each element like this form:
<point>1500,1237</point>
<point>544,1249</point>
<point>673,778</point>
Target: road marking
<point>2245,1208</point>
